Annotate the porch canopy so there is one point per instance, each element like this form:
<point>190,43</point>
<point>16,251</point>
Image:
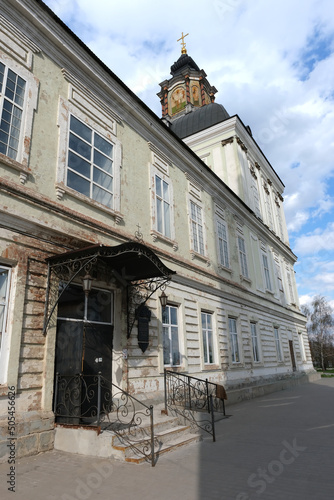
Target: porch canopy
<point>131,264</point>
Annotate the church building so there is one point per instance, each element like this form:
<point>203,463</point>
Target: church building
<point>131,244</point>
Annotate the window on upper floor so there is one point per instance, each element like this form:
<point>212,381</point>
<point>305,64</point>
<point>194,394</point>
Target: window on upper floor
<point>243,257</point>
<point>90,163</point>
<point>161,186</point>
<point>162,206</point>
<point>266,271</point>
<point>89,151</point>
<point>223,253</point>
<point>278,273</point>
<point>196,223</point>
<point>290,286</point>
<point>279,221</point>
<point>12,94</point>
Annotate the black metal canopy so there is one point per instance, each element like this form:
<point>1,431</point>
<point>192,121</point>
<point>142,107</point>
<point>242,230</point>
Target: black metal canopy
<point>133,261</point>
<point>132,264</point>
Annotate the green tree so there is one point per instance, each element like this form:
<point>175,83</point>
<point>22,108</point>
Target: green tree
<point>320,329</point>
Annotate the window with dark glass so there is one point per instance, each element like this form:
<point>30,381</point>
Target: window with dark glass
<point>90,163</point>
<point>12,94</point>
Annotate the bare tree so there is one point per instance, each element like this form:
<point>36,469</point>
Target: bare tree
<point>320,329</point>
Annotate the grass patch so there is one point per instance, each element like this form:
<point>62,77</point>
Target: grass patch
<point>327,375</point>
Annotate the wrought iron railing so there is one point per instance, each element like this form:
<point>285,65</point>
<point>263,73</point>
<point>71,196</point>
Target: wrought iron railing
<point>186,395</point>
<point>92,400</point>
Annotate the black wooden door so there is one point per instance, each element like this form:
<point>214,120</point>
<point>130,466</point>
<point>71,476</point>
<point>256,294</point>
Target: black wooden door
<point>97,360</point>
<point>83,351</point>
<point>292,354</point>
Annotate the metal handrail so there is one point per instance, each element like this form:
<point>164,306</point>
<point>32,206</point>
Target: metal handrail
<point>184,397</point>
<point>92,400</point>
<point>210,387</point>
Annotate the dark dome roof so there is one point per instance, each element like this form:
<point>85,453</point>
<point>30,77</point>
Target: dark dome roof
<point>183,62</point>
<point>199,119</point>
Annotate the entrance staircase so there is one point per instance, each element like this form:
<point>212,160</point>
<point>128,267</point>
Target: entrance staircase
<point>95,417</point>
<point>132,446</point>
<point>169,435</point>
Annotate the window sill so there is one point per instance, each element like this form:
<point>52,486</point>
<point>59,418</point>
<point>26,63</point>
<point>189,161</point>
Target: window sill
<point>160,237</point>
<point>199,256</point>
<point>210,367</point>
<point>177,369</point>
<point>9,162</point>
<point>61,189</point>
<point>223,268</point>
<point>244,278</point>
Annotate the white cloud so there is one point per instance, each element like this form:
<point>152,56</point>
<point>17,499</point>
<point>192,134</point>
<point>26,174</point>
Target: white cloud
<point>315,242</point>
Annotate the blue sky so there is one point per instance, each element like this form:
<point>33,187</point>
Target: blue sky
<point>273,65</point>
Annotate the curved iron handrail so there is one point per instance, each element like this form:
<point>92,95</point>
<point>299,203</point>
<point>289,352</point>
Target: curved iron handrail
<point>92,400</point>
<point>185,394</point>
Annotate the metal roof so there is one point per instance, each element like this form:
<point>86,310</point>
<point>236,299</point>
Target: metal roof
<point>199,119</point>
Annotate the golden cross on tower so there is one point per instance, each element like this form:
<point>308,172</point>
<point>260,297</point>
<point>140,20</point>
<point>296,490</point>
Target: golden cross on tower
<point>183,50</point>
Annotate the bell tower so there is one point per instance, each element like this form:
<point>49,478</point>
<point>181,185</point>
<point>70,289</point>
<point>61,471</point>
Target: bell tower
<point>187,90</point>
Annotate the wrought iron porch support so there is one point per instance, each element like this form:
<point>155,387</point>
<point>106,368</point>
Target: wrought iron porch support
<point>92,400</point>
<point>138,293</point>
<point>66,272</point>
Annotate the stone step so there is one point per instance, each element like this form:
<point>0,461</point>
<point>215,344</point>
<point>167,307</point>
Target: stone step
<point>143,431</point>
<point>165,448</point>
<point>160,439</point>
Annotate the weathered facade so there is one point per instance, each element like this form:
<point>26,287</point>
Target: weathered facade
<point>86,165</point>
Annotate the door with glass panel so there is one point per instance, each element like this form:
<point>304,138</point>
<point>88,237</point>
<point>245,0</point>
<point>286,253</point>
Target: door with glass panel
<point>83,347</point>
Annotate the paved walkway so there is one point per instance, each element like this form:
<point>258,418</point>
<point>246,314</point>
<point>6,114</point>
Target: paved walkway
<point>278,447</point>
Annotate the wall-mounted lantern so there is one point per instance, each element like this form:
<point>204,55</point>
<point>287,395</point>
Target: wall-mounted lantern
<point>163,299</point>
<point>87,284</point>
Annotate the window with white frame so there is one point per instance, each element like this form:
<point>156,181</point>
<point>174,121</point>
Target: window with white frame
<point>278,273</point>
<point>12,100</point>
<point>197,228</point>
<point>279,221</point>
<point>90,163</point>
<point>278,344</point>
<point>256,199</point>
<point>163,206</point>
<point>4,300</point>
<point>266,271</point>
<point>207,335</point>
<point>222,243</point>
<point>243,257</point>
<point>170,332</point>
<point>290,286</point>
<point>255,342</point>
<point>235,353</point>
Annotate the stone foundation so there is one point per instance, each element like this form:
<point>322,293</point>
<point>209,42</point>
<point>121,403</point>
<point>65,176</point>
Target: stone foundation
<point>236,395</point>
<point>34,433</point>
